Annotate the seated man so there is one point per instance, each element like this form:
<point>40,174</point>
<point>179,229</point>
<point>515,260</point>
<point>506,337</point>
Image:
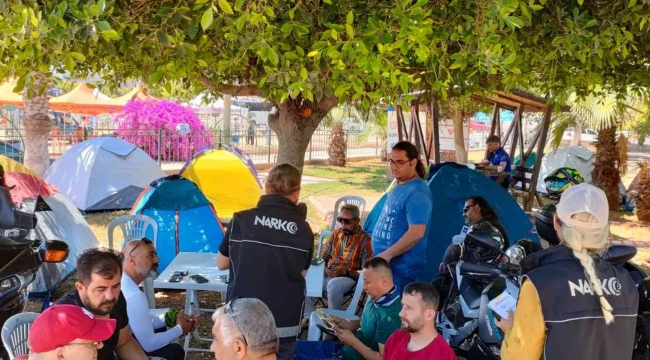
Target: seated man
<point>349,247</point>
<point>499,158</point>
<point>363,338</point>
<point>67,332</point>
<point>98,291</point>
<point>244,329</point>
<point>141,261</point>
<point>418,338</point>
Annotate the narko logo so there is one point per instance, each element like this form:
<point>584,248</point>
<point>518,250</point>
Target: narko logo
<point>277,224</point>
<point>610,286</point>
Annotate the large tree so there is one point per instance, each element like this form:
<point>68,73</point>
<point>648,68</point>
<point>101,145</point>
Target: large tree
<point>306,56</point>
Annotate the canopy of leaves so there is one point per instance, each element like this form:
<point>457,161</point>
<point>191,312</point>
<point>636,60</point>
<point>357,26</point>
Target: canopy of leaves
<point>359,50</point>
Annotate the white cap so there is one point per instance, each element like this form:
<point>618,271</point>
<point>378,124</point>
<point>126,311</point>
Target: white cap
<point>584,198</point>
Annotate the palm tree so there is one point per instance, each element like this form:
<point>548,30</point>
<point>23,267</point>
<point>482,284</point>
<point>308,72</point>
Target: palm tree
<point>642,196</point>
<point>604,112</point>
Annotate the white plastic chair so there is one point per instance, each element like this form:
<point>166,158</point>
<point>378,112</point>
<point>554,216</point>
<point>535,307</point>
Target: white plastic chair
<point>134,227</point>
<point>15,333</point>
<point>314,333</point>
<point>323,235</point>
<point>347,200</point>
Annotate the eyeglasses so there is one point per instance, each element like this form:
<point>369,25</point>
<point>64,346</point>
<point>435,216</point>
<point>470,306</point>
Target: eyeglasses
<point>345,221</point>
<point>94,344</point>
<point>399,163</point>
<point>229,311</point>
<point>466,209</point>
<point>143,240</point>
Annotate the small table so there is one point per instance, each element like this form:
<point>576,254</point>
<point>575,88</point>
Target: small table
<point>205,264</point>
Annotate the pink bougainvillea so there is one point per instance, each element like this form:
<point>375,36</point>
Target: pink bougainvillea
<point>181,131</point>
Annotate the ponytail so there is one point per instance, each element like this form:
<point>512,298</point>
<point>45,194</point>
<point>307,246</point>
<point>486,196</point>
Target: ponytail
<point>412,153</point>
<point>585,244</point>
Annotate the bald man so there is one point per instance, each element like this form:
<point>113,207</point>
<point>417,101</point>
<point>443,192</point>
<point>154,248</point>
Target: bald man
<point>140,262</point>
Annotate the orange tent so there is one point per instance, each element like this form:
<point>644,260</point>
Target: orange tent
<point>81,100</point>
<point>8,96</point>
<point>138,93</point>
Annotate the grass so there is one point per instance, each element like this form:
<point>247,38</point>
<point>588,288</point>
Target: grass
<point>98,223</point>
<point>362,179</point>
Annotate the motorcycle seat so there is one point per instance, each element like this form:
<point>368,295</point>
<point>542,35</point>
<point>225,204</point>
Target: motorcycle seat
<point>470,294</point>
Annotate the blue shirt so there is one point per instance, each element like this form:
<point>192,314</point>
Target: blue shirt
<point>496,158</point>
<point>408,204</point>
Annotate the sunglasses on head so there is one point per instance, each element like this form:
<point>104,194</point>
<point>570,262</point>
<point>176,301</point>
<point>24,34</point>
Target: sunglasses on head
<point>345,221</point>
<point>466,209</point>
<point>143,240</point>
<point>229,311</point>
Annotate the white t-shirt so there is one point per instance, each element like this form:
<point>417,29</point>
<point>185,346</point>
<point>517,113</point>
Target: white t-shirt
<point>142,324</point>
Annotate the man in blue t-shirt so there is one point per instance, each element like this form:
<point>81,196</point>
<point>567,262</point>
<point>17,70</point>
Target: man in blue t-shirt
<point>400,233</point>
<point>498,157</point>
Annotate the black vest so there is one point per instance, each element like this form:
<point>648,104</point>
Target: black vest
<point>575,327</point>
<point>269,247</point>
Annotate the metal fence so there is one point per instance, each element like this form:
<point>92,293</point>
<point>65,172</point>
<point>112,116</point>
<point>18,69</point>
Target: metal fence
<point>171,146</point>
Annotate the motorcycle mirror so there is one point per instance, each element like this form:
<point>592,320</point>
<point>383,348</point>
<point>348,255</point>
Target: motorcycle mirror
<point>56,251</point>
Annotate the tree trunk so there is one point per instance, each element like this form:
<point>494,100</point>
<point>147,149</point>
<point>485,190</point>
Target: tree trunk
<point>294,125</point>
<point>577,135</point>
<point>605,174</point>
<point>37,125</point>
<point>459,141</point>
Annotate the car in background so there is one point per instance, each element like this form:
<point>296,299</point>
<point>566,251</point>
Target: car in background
<point>12,149</point>
<point>588,135</point>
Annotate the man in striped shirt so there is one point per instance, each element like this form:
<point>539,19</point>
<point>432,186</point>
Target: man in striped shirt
<point>349,247</point>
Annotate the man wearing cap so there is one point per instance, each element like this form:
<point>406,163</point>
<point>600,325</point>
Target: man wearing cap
<point>67,332</point>
<point>573,304</point>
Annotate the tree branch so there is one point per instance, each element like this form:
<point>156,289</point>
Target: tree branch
<point>233,90</point>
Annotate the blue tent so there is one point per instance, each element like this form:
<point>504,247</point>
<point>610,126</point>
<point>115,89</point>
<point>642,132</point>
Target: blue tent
<point>451,186</point>
<point>187,221</point>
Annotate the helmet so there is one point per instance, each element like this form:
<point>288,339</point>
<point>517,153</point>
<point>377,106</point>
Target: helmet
<point>544,224</point>
<point>521,249</point>
<point>483,243</point>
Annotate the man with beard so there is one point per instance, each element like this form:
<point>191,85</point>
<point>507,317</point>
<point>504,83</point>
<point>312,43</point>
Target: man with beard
<point>346,252</point>
<point>99,290</point>
<point>418,338</point>
<point>140,262</point>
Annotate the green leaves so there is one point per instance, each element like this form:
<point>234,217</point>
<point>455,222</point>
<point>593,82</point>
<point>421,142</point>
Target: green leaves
<point>514,22</point>
<point>207,18</point>
<point>225,7</point>
<point>273,56</point>
<point>110,35</point>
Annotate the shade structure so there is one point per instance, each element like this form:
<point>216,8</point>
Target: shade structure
<point>138,93</point>
<point>103,174</point>
<point>83,100</point>
<point>61,221</point>
<point>227,177</point>
<point>7,94</point>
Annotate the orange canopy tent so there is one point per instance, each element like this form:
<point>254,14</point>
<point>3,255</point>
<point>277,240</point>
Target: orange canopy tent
<point>8,96</point>
<point>138,93</point>
<point>81,100</point>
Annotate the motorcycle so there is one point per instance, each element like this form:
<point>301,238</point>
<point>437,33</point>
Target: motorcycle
<point>21,256</point>
<point>469,325</point>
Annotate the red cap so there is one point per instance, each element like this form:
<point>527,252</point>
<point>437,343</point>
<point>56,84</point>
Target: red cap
<point>59,325</point>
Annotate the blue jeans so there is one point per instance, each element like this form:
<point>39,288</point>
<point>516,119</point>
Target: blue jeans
<point>405,274</point>
<point>318,350</point>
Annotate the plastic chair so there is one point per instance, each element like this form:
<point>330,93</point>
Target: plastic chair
<point>15,333</point>
<point>314,333</point>
<point>323,235</point>
<point>347,200</point>
<point>134,227</point>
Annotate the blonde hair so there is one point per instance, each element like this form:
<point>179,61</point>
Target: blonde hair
<point>585,244</point>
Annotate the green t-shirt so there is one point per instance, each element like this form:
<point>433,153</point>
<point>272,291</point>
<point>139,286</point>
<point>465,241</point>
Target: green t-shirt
<point>377,325</point>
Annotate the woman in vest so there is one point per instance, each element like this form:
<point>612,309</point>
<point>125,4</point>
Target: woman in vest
<point>572,304</point>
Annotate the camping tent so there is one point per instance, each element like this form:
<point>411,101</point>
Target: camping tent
<point>574,157</point>
<point>227,177</point>
<point>103,173</point>
<point>451,186</point>
<point>186,219</point>
<point>62,222</point>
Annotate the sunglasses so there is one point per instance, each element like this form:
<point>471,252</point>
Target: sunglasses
<point>141,241</point>
<point>466,209</point>
<point>229,311</point>
<point>345,221</point>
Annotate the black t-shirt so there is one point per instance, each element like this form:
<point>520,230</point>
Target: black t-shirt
<point>118,313</point>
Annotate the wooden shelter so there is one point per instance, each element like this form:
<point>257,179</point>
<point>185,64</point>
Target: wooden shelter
<point>517,101</point>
